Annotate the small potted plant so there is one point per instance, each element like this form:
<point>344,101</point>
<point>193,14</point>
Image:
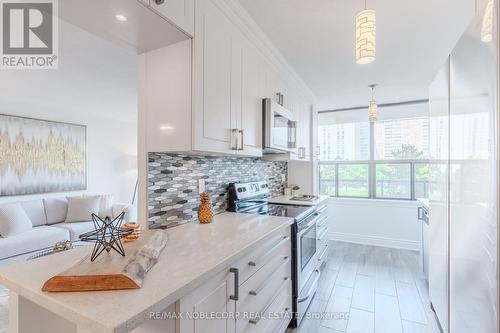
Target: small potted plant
<point>295,189</point>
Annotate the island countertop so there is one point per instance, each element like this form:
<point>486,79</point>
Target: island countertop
<point>193,254</point>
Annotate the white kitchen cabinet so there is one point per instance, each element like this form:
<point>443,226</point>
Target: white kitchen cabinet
<point>228,83</point>
<point>213,296</point>
<point>252,92</point>
<point>258,282</point>
<point>179,12</point>
<point>217,105</point>
<point>214,120</point>
<point>302,111</point>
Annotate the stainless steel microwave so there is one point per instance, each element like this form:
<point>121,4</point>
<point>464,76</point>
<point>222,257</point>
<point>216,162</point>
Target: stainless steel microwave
<point>279,128</point>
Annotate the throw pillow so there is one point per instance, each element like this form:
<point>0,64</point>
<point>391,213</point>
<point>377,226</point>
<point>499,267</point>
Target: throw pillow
<point>80,209</point>
<point>13,220</point>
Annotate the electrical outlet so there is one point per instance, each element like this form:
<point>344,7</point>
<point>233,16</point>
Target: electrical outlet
<point>201,185</point>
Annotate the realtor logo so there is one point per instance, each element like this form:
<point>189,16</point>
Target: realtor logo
<point>29,34</point>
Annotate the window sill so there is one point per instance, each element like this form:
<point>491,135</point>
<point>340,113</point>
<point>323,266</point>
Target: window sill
<point>375,202</point>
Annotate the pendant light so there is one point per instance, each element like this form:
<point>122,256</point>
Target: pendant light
<point>372,106</point>
<point>365,36</point>
<point>487,24</point>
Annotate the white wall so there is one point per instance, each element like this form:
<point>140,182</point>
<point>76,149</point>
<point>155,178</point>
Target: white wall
<point>387,223</point>
<point>95,85</point>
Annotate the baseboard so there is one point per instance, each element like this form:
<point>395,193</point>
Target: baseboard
<point>376,241</point>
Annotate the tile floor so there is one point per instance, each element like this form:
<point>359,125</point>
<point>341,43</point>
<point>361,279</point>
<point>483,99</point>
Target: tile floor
<point>382,290</point>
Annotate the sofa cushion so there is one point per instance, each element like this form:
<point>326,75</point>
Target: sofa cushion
<point>75,229</point>
<point>56,209</point>
<point>80,209</point>
<point>34,239</point>
<point>35,211</point>
<point>13,220</point>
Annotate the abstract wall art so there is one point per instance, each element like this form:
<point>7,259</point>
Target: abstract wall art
<point>40,156</point>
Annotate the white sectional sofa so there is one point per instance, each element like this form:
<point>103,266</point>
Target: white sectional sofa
<point>48,218</point>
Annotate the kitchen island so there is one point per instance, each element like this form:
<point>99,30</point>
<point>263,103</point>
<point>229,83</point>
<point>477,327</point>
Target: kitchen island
<point>194,255</point>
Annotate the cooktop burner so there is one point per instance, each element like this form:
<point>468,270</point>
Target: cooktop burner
<point>304,197</point>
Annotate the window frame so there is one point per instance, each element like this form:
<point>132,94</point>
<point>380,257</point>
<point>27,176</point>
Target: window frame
<point>372,163</point>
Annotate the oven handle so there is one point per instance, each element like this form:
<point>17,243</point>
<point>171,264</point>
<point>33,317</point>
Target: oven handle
<point>309,225</point>
<point>311,291</point>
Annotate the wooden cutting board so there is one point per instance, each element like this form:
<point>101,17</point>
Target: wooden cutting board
<point>111,271</point>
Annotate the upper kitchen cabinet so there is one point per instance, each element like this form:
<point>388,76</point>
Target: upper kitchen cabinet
<point>179,12</point>
<point>216,105</point>
<point>252,92</point>
<point>304,131</point>
<point>216,74</point>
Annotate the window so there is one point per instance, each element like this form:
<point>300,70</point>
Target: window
<point>328,180</point>
<point>345,142</point>
<point>421,180</point>
<point>393,181</point>
<point>387,159</point>
<point>402,139</point>
<point>353,180</point>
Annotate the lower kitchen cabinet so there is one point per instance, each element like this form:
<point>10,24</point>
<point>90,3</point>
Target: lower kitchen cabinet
<point>322,231</point>
<point>254,294</point>
<point>214,297</point>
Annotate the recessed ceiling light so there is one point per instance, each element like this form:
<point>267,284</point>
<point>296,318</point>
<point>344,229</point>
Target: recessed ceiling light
<point>120,17</point>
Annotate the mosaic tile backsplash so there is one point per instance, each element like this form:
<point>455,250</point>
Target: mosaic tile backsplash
<point>173,197</point>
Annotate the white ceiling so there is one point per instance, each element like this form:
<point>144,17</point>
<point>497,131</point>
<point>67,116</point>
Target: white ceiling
<point>94,77</point>
<point>317,37</point>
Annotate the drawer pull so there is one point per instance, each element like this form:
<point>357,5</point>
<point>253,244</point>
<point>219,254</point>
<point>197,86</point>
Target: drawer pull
<point>262,286</point>
<point>323,253</point>
<point>321,209</point>
<point>323,233</point>
<point>255,321</point>
<point>270,252</point>
<point>322,221</point>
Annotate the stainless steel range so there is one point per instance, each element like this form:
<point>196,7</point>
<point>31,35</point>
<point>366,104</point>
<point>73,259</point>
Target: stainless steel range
<point>252,198</point>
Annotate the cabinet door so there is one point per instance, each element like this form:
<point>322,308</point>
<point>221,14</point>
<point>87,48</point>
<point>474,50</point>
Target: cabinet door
<point>306,130</point>
<point>213,66</point>
<point>252,92</point>
<point>212,297</point>
<point>179,12</point>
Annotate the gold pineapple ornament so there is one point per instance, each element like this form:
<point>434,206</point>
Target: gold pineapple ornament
<point>205,211</point>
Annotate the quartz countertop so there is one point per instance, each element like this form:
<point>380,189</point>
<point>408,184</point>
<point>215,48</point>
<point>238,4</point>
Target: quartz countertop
<point>194,253</point>
<point>285,200</point>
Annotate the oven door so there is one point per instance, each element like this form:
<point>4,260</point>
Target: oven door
<point>280,128</point>
<point>306,251</point>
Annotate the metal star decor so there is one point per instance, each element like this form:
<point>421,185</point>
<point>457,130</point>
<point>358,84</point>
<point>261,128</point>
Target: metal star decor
<point>107,235</point>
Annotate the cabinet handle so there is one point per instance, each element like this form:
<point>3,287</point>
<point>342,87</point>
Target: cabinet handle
<point>234,139</point>
<point>264,284</point>
<point>236,294</point>
<point>256,320</point>
<point>270,252</point>
<point>302,153</point>
<point>242,135</point>
<point>159,2</point>
<point>292,134</point>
